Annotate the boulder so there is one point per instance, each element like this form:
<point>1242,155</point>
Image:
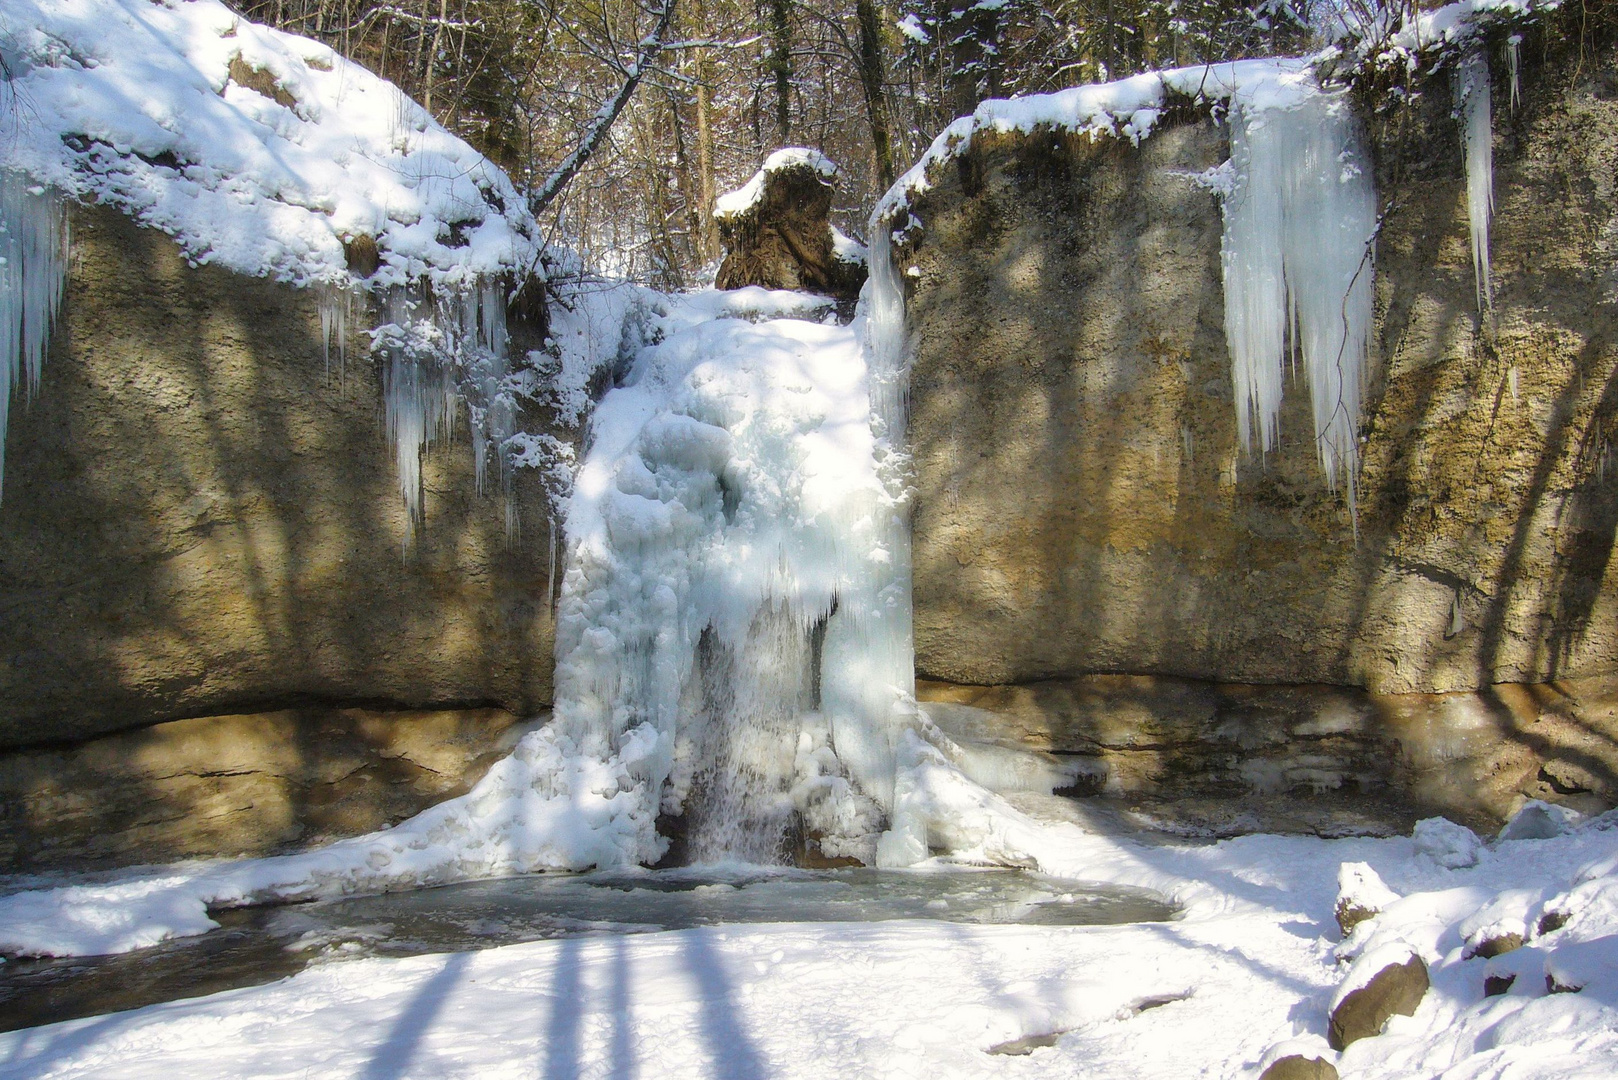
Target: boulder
<point>1299,1067</point>
<point>777,230</point>
<point>1392,989</point>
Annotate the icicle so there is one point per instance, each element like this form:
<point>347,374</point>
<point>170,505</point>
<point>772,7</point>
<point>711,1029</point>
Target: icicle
<point>336,302</point>
<point>1456,623</point>
<point>1511,382</point>
<point>1300,224</point>
<point>551,579</point>
<point>1513,62</point>
<point>33,270</point>
<point>419,395</point>
<point>1477,143</point>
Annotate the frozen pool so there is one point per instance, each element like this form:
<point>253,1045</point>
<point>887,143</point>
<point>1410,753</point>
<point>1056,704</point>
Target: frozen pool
<point>258,945</point>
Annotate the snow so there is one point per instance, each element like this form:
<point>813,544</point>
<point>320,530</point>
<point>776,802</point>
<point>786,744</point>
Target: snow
<point>735,203</point>
<point>1247,974</point>
<point>33,268</point>
<point>133,103</point>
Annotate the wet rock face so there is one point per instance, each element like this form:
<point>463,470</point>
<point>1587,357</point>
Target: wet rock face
<point>784,239</point>
<point>199,519</point>
<point>1082,502</point>
<point>1396,990</point>
<point>226,785</point>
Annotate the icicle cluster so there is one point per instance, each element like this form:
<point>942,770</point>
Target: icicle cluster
<point>1477,144</point>
<point>1300,225</point>
<point>33,268</point>
<point>437,354</point>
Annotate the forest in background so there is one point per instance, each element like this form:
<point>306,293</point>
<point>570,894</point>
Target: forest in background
<point>673,102</point>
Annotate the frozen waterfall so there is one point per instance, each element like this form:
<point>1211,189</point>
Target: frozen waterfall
<point>1300,227</point>
<point>735,609</point>
<point>33,269</point>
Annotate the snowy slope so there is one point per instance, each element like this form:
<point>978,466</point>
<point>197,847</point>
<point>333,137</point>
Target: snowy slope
<point>257,150</point>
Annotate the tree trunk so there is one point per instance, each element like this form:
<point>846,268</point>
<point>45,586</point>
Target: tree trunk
<point>873,78</point>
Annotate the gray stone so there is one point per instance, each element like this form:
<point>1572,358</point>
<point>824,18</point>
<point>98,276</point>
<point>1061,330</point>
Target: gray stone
<point>1396,990</point>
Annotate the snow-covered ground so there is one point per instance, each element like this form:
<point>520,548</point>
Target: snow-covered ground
<point>1254,962</point>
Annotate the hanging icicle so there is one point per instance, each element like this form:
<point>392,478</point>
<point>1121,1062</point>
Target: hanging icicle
<point>1513,62</point>
<point>1300,224</point>
<point>336,303</point>
<point>437,356</point>
<point>1477,145</point>
<point>33,269</point>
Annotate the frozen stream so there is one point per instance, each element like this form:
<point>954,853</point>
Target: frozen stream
<point>261,944</point>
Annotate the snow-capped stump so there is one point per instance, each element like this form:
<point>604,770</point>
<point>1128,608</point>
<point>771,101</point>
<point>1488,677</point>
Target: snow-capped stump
<point>778,234</point>
<point>1501,925</point>
<point>1361,895</point>
<point>1389,980</point>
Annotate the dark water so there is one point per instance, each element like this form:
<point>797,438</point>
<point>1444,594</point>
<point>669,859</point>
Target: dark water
<point>263,944</point>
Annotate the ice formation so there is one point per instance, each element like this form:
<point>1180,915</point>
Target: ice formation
<point>436,354</point>
<point>1477,144</point>
<point>33,267</point>
<point>1300,225</point>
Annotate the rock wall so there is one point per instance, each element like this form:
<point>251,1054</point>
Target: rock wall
<point>199,519</point>
<point>1082,505</point>
<point>1228,758</point>
<point>238,785</point>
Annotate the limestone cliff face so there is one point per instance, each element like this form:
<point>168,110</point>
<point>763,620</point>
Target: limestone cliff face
<point>1082,504</point>
<point>198,519</point>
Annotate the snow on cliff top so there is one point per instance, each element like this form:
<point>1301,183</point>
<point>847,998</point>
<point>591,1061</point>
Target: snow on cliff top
<point>141,104</point>
<point>738,202</point>
<point>1130,108</point>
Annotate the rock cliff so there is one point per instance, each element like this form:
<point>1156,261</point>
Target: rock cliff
<point>1083,506</point>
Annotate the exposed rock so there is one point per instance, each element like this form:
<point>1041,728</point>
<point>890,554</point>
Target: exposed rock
<point>1496,985</point>
<point>1499,945</point>
<point>1361,896</point>
<point>1082,504</point>
<point>777,231</point>
<point>1220,758</point>
<point>229,785</point>
<point>198,520</point>
<point>1300,1067</point>
<point>1395,990</point>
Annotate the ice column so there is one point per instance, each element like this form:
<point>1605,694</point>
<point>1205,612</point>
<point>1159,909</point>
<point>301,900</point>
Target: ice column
<point>33,268</point>
<point>1300,224</point>
<point>1477,144</point>
<point>868,678</point>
